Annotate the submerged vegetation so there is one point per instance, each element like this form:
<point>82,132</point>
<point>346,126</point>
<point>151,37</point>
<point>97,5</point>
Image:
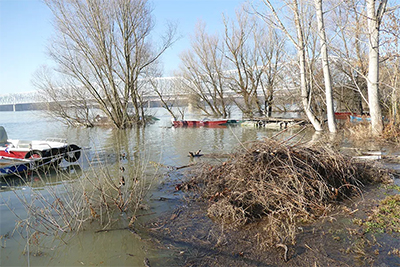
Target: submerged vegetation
<point>59,202</point>
<point>283,185</point>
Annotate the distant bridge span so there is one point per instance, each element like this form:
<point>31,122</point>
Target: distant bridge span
<point>31,100</point>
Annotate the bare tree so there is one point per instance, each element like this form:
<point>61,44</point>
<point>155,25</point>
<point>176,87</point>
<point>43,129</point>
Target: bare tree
<point>272,49</point>
<point>243,39</point>
<point>68,103</point>
<point>255,53</point>
<point>299,42</point>
<point>354,50</point>
<point>163,88</point>
<point>244,62</point>
<point>104,47</point>
<point>350,51</point>
<point>202,71</point>
<point>390,60</point>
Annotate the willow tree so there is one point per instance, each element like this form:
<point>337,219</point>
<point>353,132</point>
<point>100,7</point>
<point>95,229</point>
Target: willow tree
<point>104,46</point>
<point>202,71</point>
<point>254,54</point>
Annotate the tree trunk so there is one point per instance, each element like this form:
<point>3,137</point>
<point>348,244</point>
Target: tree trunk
<point>374,19</point>
<point>305,93</point>
<point>325,67</point>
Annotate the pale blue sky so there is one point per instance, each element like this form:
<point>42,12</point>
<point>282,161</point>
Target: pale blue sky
<point>26,27</point>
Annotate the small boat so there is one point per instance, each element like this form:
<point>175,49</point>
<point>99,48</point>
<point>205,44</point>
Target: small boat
<point>46,149</point>
<point>193,123</point>
<point>360,117</point>
<point>344,115</point>
<point>13,166</point>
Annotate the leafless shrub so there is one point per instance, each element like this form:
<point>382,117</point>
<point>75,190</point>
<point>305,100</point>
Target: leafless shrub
<point>282,184</point>
<point>60,203</point>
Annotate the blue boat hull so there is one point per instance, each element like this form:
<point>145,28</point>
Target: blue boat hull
<point>360,118</point>
<point>10,168</point>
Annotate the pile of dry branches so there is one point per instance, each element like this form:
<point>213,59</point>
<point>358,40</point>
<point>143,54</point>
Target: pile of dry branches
<point>279,183</point>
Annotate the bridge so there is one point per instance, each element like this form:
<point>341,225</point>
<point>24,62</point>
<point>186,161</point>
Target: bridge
<point>18,101</point>
<point>32,100</point>
<point>167,85</point>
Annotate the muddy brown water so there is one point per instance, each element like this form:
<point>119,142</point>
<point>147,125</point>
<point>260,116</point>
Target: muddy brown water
<point>203,243</point>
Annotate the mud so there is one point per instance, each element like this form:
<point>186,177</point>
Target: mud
<point>334,240</point>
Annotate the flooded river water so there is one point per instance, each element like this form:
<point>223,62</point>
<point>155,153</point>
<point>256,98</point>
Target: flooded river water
<point>157,149</point>
<point>159,144</point>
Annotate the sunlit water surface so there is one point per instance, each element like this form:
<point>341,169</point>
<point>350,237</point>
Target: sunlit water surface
<point>157,146</point>
<point>158,143</point>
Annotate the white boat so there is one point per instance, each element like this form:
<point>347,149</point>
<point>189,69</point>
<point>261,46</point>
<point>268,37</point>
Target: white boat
<point>40,149</point>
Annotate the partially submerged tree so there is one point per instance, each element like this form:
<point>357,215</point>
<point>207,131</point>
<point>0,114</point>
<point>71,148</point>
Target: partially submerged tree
<point>163,87</point>
<point>64,102</point>
<point>104,47</point>
<point>243,55</point>
<point>253,53</point>
<point>350,52</point>
<point>299,41</point>
<point>202,73</point>
<point>244,62</point>
<point>272,48</point>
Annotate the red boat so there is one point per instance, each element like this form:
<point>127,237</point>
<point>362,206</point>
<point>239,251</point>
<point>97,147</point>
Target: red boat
<point>343,115</point>
<point>205,123</point>
<point>42,149</point>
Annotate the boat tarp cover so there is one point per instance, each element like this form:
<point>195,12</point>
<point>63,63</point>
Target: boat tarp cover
<point>3,136</point>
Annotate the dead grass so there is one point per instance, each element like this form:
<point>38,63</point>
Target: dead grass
<point>361,131</point>
<point>283,185</point>
<point>391,132</point>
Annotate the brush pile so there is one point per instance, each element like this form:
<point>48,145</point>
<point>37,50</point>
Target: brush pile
<point>279,184</point>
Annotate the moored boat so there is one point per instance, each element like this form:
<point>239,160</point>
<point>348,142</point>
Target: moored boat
<point>343,115</point>
<point>41,149</point>
<point>360,117</point>
<point>13,166</point>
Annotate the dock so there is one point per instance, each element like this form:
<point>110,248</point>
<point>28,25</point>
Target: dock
<point>274,123</point>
